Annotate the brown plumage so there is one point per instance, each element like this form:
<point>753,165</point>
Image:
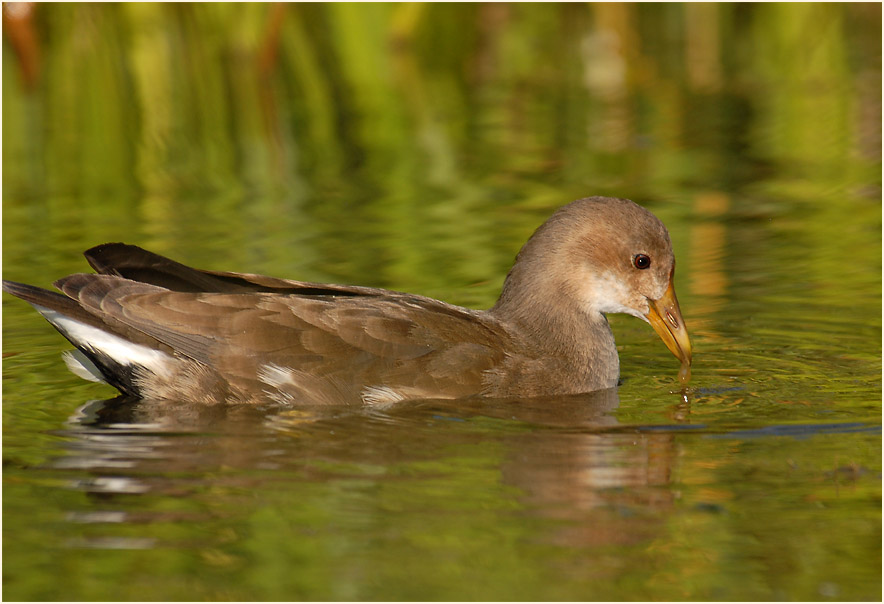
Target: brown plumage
<point>155,328</point>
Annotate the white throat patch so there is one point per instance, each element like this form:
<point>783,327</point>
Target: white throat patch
<point>607,294</point>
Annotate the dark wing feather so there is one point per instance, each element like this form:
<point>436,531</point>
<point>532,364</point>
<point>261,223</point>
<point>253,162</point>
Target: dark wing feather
<point>137,264</point>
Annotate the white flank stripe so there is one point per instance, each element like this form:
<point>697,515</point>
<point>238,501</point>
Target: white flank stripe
<point>381,396</point>
<point>276,376</point>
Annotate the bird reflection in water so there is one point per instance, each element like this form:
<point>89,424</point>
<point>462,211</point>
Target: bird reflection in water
<point>569,459</point>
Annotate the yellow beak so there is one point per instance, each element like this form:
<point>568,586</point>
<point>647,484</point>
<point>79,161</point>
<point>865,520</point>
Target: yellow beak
<point>665,317</point>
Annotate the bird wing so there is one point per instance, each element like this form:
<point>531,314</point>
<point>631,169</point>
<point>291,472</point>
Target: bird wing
<point>379,347</point>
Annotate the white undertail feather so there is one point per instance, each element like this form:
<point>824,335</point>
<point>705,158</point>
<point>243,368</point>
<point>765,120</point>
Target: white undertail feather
<point>81,366</point>
<point>120,350</point>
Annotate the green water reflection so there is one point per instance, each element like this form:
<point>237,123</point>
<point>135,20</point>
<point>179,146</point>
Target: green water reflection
<point>416,146</point>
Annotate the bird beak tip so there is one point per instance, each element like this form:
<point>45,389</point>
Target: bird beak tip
<point>664,315</point>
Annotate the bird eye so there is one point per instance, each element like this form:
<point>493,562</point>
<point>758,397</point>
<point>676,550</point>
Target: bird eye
<point>641,261</point>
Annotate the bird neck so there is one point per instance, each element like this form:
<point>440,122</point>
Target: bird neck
<point>552,323</point>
